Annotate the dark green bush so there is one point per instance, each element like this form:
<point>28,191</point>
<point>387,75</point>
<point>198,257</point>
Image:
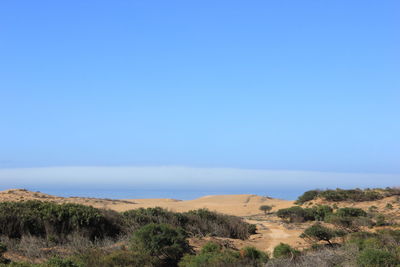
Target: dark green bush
<point>59,262</point>
<point>318,232</point>
<point>386,238</point>
<point>204,222</point>
<point>49,219</point>
<point>307,196</point>
<point>56,221</point>
<point>377,258</point>
<point>349,219</point>
<point>349,224</point>
<point>265,208</point>
<point>252,254</point>
<point>285,251</point>
<point>211,247</point>
<point>212,254</point>
<point>162,241</point>
<point>134,219</point>
<point>117,258</point>
<point>198,222</point>
<point>348,195</point>
<point>351,212</point>
<point>357,195</point>
<point>296,214</point>
<point>389,206</point>
<point>320,212</point>
<point>126,258</point>
<point>223,258</point>
<point>380,220</point>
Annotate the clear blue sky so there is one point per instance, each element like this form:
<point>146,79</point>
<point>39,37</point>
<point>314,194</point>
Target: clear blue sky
<point>277,85</point>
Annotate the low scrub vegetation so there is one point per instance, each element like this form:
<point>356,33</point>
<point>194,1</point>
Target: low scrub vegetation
<point>164,243</point>
<point>197,222</point>
<point>318,232</point>
<point>265,208</point>
<point>56,222</point>
<point>359,249</point>
<point>71,235</point>
<point>299,214</point>
<point>345,219</point>
<point>213,254</point>
<point>285,251</point>
<point>356,195</point>
<point>50,220</point>
<point>158,237</point>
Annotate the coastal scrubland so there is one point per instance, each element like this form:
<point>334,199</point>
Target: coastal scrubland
<point>358,227</point>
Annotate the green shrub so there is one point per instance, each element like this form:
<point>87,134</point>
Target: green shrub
<point>357,195</point>
<point>318,232</point>
<point>386,240</point>
<point>204,222</point>
<point>285,251</point>
<point>162,241</point>
<point>122,258</point>
<point>380,220</point>
<point>213,255</point>
<point>377,258</point>
<point>252,229</point>
<point>299,214</point>
<point>197,222</point>
<point>307,196</point>
<point>320,212</point>
<point>389,206</point>
<point>49,219</point>
<point>118,258</point>
<point>134,219</point>
<point>351,212</point>
<point>253,255</point>
<point>211,247</point>
<point>296,214</point>
<point>265,208</point>
<point>221,258</point>
<point>349,224</point>
<point>59,262</point>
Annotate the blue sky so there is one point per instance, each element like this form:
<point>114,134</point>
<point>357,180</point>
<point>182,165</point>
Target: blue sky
<point>261,85</point>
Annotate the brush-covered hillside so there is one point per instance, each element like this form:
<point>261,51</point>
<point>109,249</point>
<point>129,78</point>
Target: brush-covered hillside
<point>322,228</point>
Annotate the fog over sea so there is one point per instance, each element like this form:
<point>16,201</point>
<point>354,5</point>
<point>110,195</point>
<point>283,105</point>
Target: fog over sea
<point>178,182</point>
